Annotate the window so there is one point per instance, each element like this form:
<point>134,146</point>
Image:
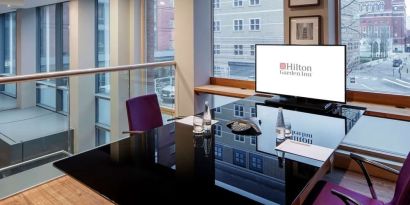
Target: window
<point>256,163</point>
<point>8,51</point>
<point>217,49</point>
<point>160,30</point>
<point>218,110</point>
<point>252,50</point>
<point>216,4</point>
<point>217,26</point>
<point>271,31</point>
<point>253,140</point>
<point>239,138</point>
<point>379,63</point>
<point>254,24</point>
<point>218,130</point>
<point>102,80</point>
<point>238,50</point>
<point>218,152</point>
<point>239,158</point>
<point>159,33</point>
<point>238,25</point>
<point>252,110</point>
<point>102,136</point>
<point>53,48</point>
<point>237,3</point>
<point>238,110</point>
<point>103,45</point>
<point>253,2</point>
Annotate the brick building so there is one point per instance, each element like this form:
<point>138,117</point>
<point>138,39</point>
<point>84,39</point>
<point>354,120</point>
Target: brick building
<point>383,28</point>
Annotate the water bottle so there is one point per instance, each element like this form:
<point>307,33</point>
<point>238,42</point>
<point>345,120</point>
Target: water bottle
<point>207,117</point>
<point>280,125</point>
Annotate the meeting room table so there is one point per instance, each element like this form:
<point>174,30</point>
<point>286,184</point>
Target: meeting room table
<point>171,164</point>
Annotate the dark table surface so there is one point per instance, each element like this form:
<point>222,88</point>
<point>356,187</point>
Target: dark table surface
<point>171,164</point>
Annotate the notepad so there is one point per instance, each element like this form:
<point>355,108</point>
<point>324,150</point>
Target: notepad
<point>189,120</point>
<point>305,150</point>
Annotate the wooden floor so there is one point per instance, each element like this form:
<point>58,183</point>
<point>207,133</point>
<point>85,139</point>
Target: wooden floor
<point>66,190</point>
<point>356,182</point>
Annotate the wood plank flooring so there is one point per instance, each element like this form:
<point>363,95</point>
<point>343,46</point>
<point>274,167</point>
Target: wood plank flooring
<point>356,182</point>
<point>66,190</point>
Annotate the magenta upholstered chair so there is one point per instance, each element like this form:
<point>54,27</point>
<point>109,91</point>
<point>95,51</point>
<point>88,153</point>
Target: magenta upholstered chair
<point>331,194</point>
<point>143,113</point>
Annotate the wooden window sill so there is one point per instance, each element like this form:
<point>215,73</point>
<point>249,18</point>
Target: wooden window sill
<point>372,109</point>
<point>225,91</point>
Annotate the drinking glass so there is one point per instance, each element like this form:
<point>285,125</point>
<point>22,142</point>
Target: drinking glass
<point>198,125</point>
<point>288,130</point>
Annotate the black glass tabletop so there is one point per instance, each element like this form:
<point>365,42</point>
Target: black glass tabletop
<point>172,164</point>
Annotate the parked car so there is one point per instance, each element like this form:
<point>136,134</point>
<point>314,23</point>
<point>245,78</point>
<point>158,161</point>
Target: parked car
<point>168,94</point>
<point>397,62</point>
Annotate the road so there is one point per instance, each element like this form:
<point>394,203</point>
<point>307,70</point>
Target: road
<point>380,78</point>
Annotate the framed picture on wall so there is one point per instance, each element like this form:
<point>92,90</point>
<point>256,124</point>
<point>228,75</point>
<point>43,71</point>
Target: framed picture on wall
<point>304,30</point>
<point>296,3</point>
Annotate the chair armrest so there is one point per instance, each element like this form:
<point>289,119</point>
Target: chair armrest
<point>361,160</point>
<point>346,199</point>
<point>132,132</point>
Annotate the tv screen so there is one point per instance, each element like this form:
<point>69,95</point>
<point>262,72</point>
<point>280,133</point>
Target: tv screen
<point>315,72</point>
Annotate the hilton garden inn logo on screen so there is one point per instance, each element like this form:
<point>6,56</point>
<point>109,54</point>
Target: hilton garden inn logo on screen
<point>294,69</point>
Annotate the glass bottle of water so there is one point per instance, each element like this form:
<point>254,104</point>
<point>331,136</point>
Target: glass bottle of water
<point>207,117</point>
<point>280,125</point>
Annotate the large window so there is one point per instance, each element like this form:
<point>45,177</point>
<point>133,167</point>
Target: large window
<point>378,45</point>
<point>8,51</point>
<point>53,48</point>
<point>236,36</point>
<point>102,81</point>
<point>160,47</point>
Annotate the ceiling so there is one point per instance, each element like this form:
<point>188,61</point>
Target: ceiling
<point>12,5</point>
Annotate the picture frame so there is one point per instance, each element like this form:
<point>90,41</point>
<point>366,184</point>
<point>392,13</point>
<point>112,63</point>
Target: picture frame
<point>305,30</point>
<point>300,3</point>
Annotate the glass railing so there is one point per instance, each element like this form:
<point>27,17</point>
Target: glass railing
<point>54,115</point>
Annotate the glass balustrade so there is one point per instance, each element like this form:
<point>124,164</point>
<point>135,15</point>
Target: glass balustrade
<point>49,119</point>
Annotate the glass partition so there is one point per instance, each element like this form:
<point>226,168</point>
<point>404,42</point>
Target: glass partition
<point>69,118</point>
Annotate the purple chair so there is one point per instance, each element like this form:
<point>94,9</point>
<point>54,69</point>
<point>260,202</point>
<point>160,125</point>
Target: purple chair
<point>331,194</point>
<point>143,113</point>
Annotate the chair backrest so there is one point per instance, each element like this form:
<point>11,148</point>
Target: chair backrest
<point>144,113</point>
<point>402,193</point>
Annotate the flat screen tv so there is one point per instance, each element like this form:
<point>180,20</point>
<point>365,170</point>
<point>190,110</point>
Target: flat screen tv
<point>310,72</point>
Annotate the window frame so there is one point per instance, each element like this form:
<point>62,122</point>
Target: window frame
<point>255,25</point>
<point>392,100</point>
<point>218,132</point>
<point>241,138</point>
<point>240,25</point>
<point>241,153</point>
<point>60,84</point>
<point>400,101</point>
<point>217,148</point>
<point>257,158</point>
<point>217,49</point>
<point>241,113</point>
<point>238,50</point>
<point>216,24</point>
<point>254,4</point>
<point>237,1</point>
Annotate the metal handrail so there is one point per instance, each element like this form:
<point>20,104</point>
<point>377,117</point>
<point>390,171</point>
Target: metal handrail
<point>67,73</point>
